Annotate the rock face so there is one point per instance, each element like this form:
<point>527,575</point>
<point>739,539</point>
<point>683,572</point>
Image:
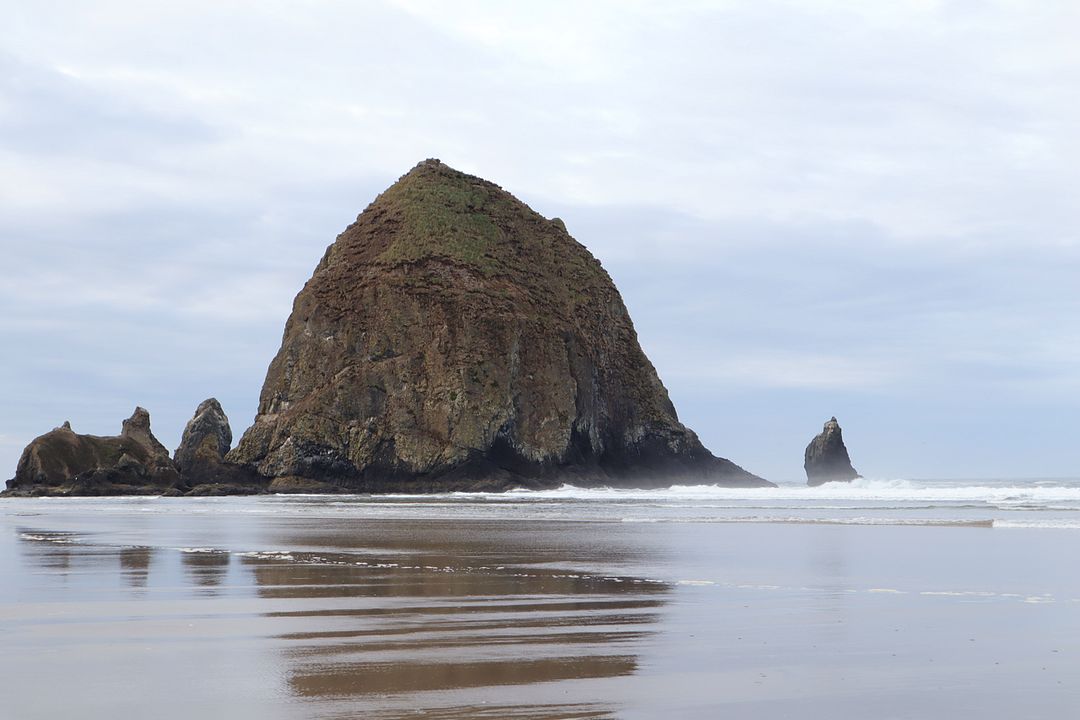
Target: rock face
<point>200,459</point>
<point>826,458</point>
<point>65,462</point>
<point>206,440</point>
<point>453,338</point>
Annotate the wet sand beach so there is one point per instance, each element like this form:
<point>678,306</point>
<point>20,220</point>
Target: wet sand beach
<point>315,608</point>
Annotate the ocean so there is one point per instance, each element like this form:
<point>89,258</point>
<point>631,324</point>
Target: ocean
<point>879,598</point>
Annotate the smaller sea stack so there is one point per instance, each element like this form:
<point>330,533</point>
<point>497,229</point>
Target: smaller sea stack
<point>200,459</point>
<point>826,458</point>
<point>63,462</point>
<point>207,438</point>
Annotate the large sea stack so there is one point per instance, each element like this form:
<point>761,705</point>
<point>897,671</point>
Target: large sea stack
<point>826,458</point>
<point>453,338</point>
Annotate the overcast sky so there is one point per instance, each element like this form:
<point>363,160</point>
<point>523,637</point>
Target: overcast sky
<point>867,210</point>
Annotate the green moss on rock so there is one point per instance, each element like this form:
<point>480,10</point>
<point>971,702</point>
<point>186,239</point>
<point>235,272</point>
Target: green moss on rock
<point>454,338</point>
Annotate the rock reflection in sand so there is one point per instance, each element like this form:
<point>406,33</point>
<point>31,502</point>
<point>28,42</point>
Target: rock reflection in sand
<point>284,608</point>
<point>415,630</point>
<point>135,565</point>
<point>207,568</point>
<point>458,621</point>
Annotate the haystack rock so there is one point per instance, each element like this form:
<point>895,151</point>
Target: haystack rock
<point>453,338</point>
<point>826,458</point>
<point>63,462</point>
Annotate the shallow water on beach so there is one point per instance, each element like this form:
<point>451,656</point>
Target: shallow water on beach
<point>876,599</point>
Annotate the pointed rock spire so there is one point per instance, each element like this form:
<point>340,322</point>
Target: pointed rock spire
<point>207,436</point>
<point>826,458</point>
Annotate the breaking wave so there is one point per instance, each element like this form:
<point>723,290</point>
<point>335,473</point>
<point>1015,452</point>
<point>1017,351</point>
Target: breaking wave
<point>1020,504</point>
<point>928,493</point>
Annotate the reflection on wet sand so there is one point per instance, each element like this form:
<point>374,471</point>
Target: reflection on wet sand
<point>135,565</point>
<point>292,609</point>
<point>418,633</point>
<point>399,677</point>
<point>206,569</point>
<point>449,626</point>
<point>407,619</point>
<point>47,551</point>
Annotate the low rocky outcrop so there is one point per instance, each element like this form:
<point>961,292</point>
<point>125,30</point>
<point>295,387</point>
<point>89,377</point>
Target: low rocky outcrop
<point>826,458</point>
<point>63,462</point>
<point>454,339</point>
